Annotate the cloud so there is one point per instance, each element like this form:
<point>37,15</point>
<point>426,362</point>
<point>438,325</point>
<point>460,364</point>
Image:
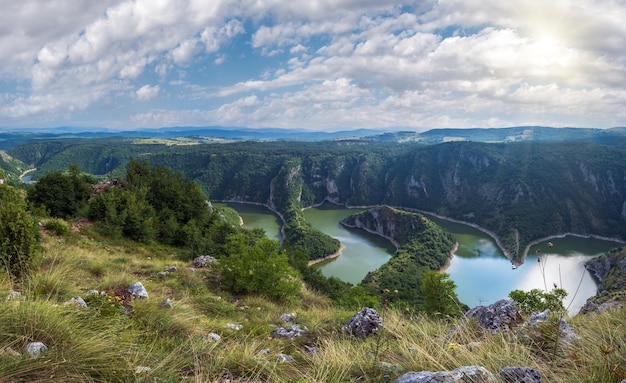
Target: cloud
<point>147,92</point>
<point>356,63</point>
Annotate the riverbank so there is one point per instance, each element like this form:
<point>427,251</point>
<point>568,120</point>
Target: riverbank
<point>448,261</point>
<point>24,175</point>
<point>563,235</point>
<point>328,257</point>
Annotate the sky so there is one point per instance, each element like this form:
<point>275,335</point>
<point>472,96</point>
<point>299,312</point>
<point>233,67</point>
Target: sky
<point>312,64</point>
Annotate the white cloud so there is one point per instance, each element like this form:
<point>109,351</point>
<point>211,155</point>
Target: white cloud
<point>147,92</point>
<point>350,62</point>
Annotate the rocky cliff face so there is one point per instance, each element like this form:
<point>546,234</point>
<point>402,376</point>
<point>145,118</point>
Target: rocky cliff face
<point>610,271</point>
<point>519,192</point>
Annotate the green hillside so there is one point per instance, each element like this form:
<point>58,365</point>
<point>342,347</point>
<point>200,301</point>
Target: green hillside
<point>521,192</point>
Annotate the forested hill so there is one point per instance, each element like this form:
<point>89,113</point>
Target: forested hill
<point>521,192</point>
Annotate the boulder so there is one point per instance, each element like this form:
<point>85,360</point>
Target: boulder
<point>288,318</point>
<point>567,334</point>
<point>283,358</point>
<point>500,316</point>
<point>465,374</point>
<point>289,333</point>
<point>77,301</point>
<point>14,295</point>
<point>138,290</point>
<point>364,323</point>
<point>167,303</point>
<point>35,349</point>
<point>203,261</point>
<point>520,375</point>
<point>212,337</point>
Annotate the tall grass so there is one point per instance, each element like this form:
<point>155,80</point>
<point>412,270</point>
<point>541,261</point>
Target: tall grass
<point>152,343</point>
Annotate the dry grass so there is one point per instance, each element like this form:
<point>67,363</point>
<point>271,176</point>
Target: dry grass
<point>85,346</point>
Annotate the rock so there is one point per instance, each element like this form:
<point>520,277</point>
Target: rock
<point>142,369</point>
<point>14,295</point>
<point>283,358</point>
<point>138,290</point>
<point>213,337</point>
<point>203,261</point>
<point>289,333</point>
<point>162,274</point>
<point>288,318</point>
<point>170,269</point>
<point>466,374</point>
<point>567,334</point>
<point>364,323</point>
<point>35,349</point>
<point>520,375</point>
<point>77,301</point>
<point>167,303</point>
<point>598,308</point>
<point>233,326</point>
<point>500,316</point>
<point>310,349</point>
<point>96,292</point>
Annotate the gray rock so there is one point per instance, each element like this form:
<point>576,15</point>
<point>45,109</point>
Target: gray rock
<point>283,358</point>
<point>310,349</point>
<point>233,326</point>
<point>364,323</point>
<point>35,349</point>
<point>138,290</point>
<point>520,375</point>
<point>289,333</point>
<point>466,374</point>
<point>14,295</point>
<point>77,301</point>
<point>500,316</point>
<point>288,318</point>
<point>567,334</point>
<point>203,261</point>
<point>162,275</point>
<point>95,292</point>
<point>538,318</point>
<point>142,369</point>
<point>167,303</point>
<point>213,337</point>
<point>170,269</point>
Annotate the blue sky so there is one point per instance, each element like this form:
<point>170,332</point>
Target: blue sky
<point>312,64</point>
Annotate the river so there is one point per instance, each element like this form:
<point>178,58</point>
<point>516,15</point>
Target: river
<point>481,272</point>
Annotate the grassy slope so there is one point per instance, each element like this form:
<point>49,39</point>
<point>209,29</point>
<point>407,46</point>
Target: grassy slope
<point>85,346</point>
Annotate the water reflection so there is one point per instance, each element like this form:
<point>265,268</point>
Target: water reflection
<point>481,272</point>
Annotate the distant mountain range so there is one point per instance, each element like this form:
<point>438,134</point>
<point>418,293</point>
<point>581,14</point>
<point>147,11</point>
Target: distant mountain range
<point>11,138</point>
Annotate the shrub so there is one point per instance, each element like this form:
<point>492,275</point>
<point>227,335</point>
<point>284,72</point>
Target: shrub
<point>18,235</point>
<point>535,300</point>
<point>56,226</point>
<point>259,268</point>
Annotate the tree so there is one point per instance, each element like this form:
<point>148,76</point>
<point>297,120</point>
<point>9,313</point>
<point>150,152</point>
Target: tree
<point>439,295</point>
<point>18,235</point>
<point>258,268</point>
<point>61,193</point>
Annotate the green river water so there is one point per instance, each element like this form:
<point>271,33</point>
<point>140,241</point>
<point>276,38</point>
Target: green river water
<point>481,272</point>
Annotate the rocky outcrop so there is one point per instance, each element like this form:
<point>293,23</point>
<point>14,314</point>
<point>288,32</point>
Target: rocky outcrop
<point>465,374</point>
<point>500,316</point>
<point>365,323</point>
<point>610,271</point>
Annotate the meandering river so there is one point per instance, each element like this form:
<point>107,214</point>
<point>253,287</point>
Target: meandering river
<point>481,272</point>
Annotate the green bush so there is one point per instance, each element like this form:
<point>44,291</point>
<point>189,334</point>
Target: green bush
<point>258,268</point>
<point>535,300</point>
<point>56,226</point>
<point>19,254</point>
